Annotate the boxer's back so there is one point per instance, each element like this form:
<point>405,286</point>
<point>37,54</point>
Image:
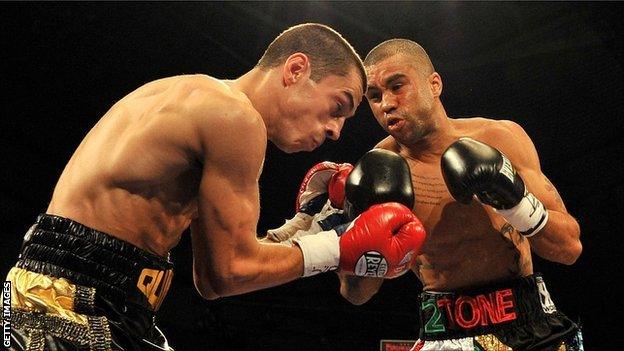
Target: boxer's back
<point>136,173</point>
<point>466,245</point>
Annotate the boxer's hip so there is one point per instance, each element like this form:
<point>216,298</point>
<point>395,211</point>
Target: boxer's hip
<point>85,287</point>
<point>513,315</point>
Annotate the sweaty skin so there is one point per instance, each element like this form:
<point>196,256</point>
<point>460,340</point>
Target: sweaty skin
<point>466,245</point>
<point>136,174</point>
<point>188,151</point>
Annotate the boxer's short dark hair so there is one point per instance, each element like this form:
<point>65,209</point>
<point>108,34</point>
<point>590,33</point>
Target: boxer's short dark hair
<point>403,47</point>
<point>328,51</point>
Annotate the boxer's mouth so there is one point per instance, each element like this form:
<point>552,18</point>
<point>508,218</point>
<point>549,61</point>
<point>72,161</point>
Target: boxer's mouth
<point>395,123</point>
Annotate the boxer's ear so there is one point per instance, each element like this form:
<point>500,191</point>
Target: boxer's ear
<point>435,82</point>
<point>296,68</point>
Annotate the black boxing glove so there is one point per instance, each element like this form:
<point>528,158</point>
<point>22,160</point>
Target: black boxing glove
<point>380,176</point>
<point>472,168</point>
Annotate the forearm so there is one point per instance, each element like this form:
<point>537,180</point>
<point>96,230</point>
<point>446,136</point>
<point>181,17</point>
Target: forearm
<point>559,240</point>
<point>358,290</point>
<point>266,266</point>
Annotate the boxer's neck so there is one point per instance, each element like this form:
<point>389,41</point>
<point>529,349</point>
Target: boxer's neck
<point>432,145</point>
<point>257,85</point>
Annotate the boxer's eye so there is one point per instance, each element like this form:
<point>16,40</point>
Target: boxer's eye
<point>374,97</point>
<point>396,87</point>
<point>338,111</point>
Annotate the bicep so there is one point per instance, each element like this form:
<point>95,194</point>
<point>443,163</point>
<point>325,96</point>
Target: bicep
<point>225,230</point>
<point>228,199</point>
<point>228,204</point>
<point>523,155</point>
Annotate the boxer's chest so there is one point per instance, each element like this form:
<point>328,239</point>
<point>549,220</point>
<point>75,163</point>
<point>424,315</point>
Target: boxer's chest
<point>439,212</point>
<point>430,191</point>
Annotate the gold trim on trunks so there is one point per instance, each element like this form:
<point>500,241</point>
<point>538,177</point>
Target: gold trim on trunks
<point>154,284</point>
<point>95,334</point>
<point>37,292</point>
<point>42,304</point>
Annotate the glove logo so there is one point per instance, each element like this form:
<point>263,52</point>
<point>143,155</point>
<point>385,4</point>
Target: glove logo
<point>407,258</point>
<point>401,267</point>
<point>371,264</point>
<point>507,169</point>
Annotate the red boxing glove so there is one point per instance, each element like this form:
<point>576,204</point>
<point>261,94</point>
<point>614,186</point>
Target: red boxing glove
<point>336,187</point>
<point>382,242</point>
<point>324,177</point>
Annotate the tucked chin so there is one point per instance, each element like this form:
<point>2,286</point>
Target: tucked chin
<point>290,147</point>
<point>307,147</point>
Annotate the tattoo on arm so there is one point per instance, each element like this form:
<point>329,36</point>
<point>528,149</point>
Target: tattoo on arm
<point>506,230</point>
<point>522,264</point>
<point>551,188</point>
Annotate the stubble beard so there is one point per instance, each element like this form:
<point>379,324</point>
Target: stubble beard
<point>420,126</point>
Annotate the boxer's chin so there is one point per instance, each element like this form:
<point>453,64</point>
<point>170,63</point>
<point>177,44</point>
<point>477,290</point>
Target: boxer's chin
<point>289,148</point>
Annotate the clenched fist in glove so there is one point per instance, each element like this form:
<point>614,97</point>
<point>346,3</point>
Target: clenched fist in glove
<point>472,168</point>
<point>326,180</point>
<point>382,242</point>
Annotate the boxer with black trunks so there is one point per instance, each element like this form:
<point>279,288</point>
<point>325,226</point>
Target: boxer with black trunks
<point>188,151</point>
<point>485,205</point>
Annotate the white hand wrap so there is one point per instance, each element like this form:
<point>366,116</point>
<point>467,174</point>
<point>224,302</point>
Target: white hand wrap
<point>528,217</point>
<point>321,252</point>
<point>301,225</point>
<point>301,221</point>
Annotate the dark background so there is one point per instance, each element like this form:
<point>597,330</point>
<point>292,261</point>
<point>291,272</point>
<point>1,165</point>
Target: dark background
<point>555,68</point>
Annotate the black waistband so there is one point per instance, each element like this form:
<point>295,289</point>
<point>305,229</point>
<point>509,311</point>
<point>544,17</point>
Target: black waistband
<point>484,310</point>
<point>119,271</point>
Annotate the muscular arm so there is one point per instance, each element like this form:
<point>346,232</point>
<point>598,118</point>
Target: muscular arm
<point>559,240</point>
<point>227,257</point>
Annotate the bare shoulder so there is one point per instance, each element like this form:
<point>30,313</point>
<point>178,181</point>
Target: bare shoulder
<point>505,128</point>
<point>220,112</point>
<point>505,135</point>
<point>497,133</point>
<point>206,94</point>
<point>388,143</point>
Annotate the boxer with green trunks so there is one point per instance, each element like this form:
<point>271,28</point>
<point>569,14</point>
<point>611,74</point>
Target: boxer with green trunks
<point>486,206</point>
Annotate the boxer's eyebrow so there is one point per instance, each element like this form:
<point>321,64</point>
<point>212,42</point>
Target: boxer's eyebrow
<point>387,81</point>
<point>393,78</point>
<point>350,100</point>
